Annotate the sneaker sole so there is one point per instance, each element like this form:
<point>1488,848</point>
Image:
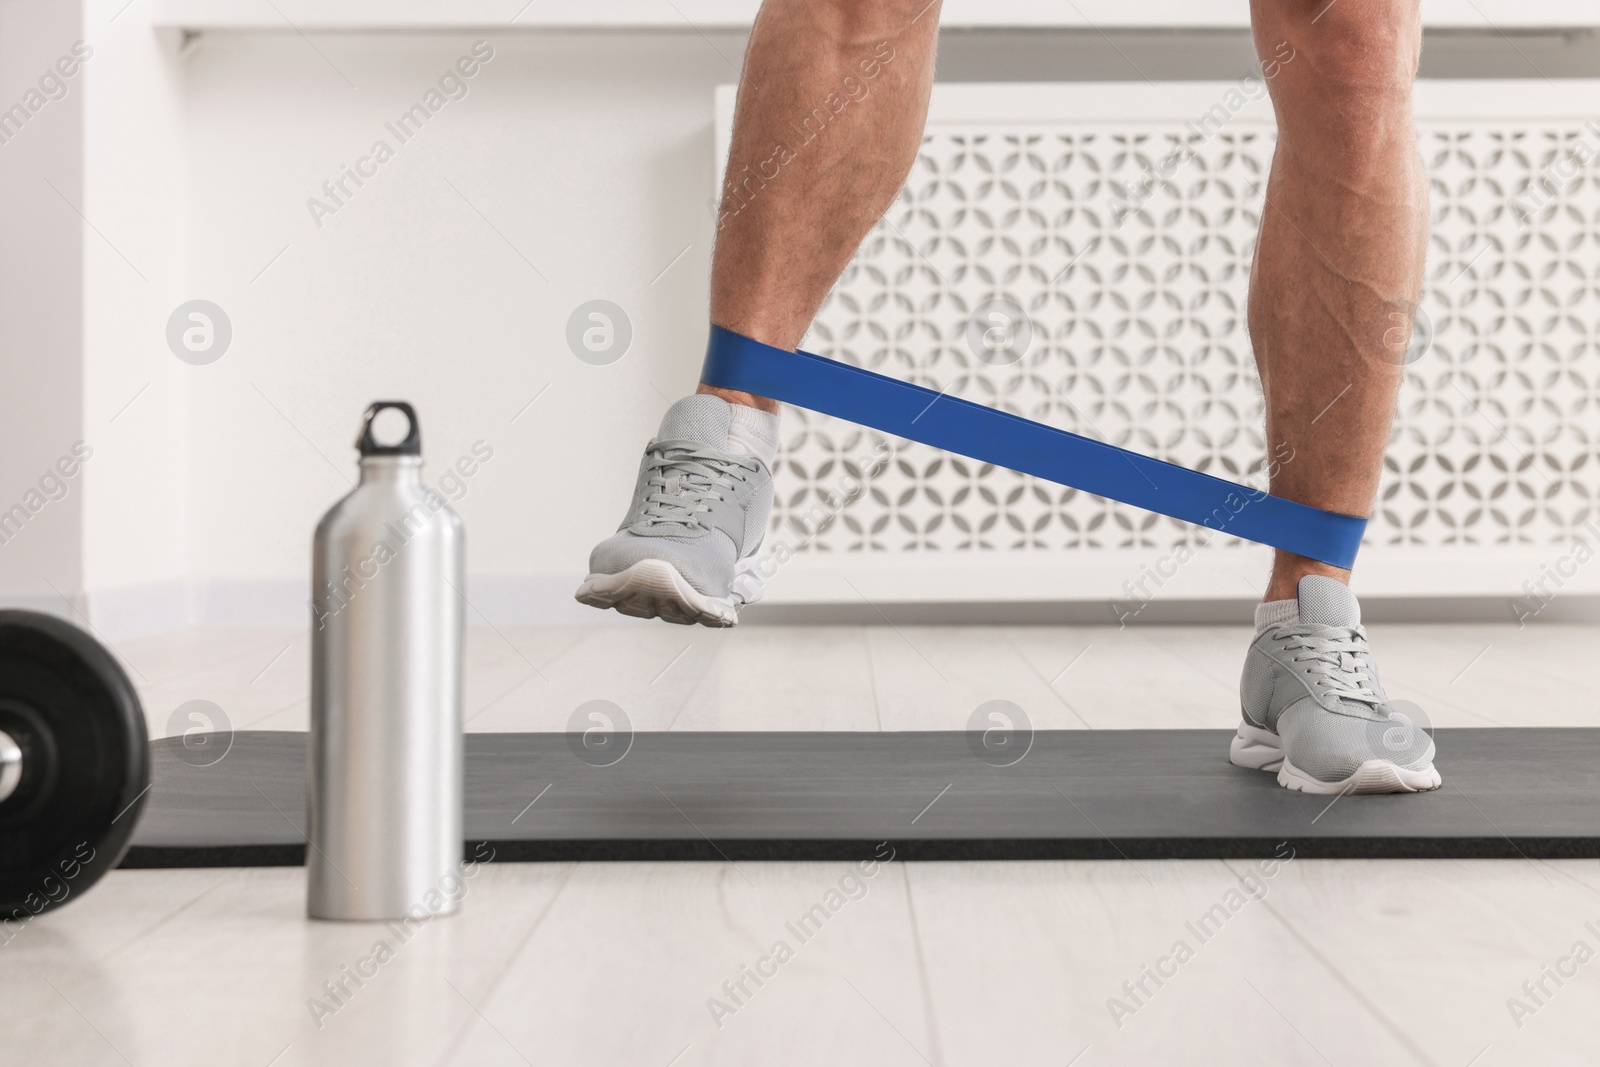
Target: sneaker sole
<point>1255,748</point>
<point>653,589</point>
<point>1262,750</point>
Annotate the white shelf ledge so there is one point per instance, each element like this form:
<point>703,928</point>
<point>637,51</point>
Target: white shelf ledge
<point>1488,16</point>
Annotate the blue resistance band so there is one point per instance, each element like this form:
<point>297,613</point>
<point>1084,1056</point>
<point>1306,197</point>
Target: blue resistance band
<point>990,435</point>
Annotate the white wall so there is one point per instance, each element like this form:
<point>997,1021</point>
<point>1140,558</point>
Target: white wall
<point>590,154</point>
<point>41,407</point>
<point>91,228</point>
<point>590,167</point>
<point>372,15</point>
<point>135,392</point>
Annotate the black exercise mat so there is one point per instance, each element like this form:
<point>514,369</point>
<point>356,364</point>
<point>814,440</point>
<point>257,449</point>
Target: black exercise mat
<point>1076,794</point>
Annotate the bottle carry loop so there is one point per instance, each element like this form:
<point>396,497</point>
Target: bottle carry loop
<point>411,446</point>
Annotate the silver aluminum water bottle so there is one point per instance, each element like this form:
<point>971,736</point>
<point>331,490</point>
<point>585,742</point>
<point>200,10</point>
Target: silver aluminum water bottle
<point>385,798</point>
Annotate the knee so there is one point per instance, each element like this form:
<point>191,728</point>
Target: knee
<point>1347,88</point>
<point>1347,49</point>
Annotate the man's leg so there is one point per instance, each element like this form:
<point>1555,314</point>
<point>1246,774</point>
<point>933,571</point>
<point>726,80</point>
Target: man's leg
<point>831,107</point>
<point>1337,276</point>
<point>1338,267</point>
<point>832,103</point>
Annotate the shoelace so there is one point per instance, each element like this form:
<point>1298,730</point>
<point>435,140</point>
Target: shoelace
<point>686,478</point>
<point>1337,658</point>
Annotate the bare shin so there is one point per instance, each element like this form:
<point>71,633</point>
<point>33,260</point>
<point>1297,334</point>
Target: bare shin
<point>831,107</point>
<point>1339,261</point>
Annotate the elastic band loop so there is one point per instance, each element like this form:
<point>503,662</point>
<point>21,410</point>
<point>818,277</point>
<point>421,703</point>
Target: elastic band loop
<point>990,435</point>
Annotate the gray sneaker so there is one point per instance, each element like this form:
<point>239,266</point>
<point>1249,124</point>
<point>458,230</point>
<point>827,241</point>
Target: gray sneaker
<point>1314,710</point>
<point>686,550</point>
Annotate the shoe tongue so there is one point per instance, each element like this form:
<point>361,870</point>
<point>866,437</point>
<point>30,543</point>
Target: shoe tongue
<point>700,418</point>
<point>1326,602</point>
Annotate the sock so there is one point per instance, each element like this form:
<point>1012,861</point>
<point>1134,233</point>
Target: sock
<point>756,430</point>
<point>1276,613</point>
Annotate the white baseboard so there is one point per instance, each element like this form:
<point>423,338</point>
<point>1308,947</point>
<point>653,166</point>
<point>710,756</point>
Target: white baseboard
<point>260,602</point>
<point>133,611</point>
<point>1089,591</point>
<point>136,610</point>
<point>49,604</point>
<point>534,600</point>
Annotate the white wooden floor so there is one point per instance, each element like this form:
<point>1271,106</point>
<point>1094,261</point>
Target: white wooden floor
<point>1339,962</point>
<point>883,677</point>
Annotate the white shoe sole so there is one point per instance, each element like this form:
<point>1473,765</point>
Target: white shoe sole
<point>1255,748</point>
<point>653,589</point>
<point>1262,750</point>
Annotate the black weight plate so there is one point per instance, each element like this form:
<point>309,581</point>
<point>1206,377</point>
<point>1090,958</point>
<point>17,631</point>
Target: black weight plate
<point>71,708</point>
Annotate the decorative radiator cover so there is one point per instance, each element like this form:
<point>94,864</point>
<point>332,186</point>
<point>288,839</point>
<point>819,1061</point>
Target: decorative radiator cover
<point>1135,286</point>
